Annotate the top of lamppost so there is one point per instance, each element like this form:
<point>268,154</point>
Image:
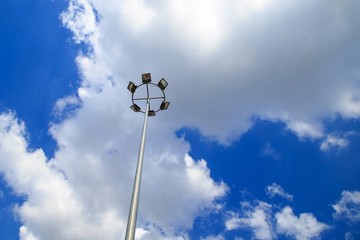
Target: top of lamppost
<point>145,95</point>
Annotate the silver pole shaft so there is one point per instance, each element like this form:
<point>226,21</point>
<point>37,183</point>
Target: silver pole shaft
<point>131,224</point>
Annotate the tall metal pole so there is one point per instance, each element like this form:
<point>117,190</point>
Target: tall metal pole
<point>131,225</point>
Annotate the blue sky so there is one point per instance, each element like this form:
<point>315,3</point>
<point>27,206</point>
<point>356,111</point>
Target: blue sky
<point>260,140</point>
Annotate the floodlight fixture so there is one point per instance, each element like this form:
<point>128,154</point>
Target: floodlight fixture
<point>162,84</point>
<point>151,113</point>
<point>135,108</point>
<point>132,87</point>
<point>146,78</point>
<point>164,105</point>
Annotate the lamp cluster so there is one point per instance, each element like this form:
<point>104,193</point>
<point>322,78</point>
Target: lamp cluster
<point>146,80</point>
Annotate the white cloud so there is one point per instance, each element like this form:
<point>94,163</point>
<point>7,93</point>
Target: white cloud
<point>81,20</point>
<point>153,233</point>
<point>303,227</point>
<point>24,234</point>
<point>265,224</point>
<point>334,142</point>
<point>137,13</point>
<point>52,209</point>
<point>348,207</point>
<point>257,218</point>
<point>65,105</point>
<point>305,129</point>
<point>276,190</point>
<point>235,59</point>
<point>83,193</point>
<point>197,23</point>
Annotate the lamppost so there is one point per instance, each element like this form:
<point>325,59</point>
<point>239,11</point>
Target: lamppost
<point>147,86</point>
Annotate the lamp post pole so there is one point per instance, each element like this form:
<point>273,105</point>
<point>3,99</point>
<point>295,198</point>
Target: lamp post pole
<point>131,225</point>
<point>146,81</point>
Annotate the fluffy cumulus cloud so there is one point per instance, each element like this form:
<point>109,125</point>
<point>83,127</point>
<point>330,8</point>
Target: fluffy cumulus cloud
<point>83,193</point>
<point>348,207</point>
<point>266,224</point>
<point>227,61</point>
<point>51,204</point>
<point>257,218</point>
<point>303,227</point>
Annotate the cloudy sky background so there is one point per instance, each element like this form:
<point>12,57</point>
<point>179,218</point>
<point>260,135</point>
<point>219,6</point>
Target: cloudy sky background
<point>260,140</point>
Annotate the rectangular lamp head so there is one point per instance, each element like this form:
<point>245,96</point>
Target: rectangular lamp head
<point>164,105</point>
<point>162,84</point>
<point>131,87</point>
<point>135,108</point>
<point>151,113</point>
<point>146,77</point>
